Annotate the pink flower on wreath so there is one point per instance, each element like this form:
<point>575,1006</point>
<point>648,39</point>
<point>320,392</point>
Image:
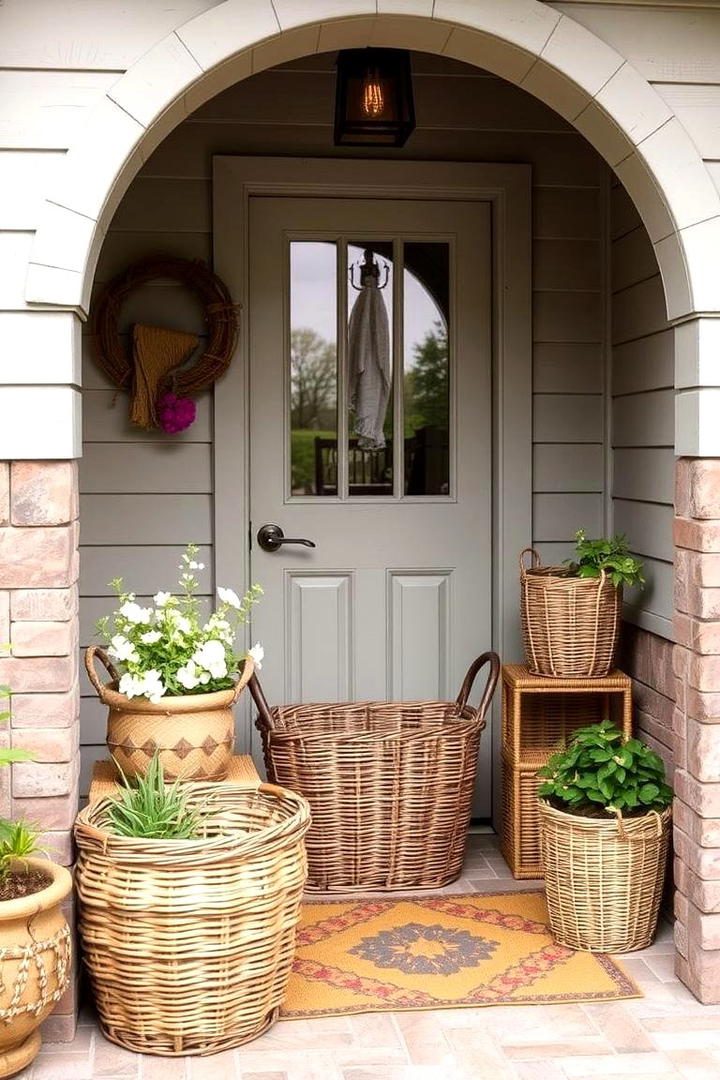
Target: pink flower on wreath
<point>175,414</point>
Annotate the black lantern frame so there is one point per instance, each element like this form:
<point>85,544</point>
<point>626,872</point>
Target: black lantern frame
<point>374,98</point>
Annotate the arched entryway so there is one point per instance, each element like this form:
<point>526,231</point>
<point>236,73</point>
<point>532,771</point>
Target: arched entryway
<point>528,44</point>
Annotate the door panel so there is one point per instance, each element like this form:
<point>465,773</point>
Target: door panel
<point>394,601</point>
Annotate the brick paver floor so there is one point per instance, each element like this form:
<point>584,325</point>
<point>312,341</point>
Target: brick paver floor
<point>667,1035</point>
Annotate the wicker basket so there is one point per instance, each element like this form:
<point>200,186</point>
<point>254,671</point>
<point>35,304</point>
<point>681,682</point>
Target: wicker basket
<point>570,625</point>
<point>193,735</point>
<point>189,943</point>
<point>603,878</point>
<point>390,784</point>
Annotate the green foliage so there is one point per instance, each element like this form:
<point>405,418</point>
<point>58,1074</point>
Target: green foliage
<point>7,755</point>
<point>167,648</point>
<point>149,808</point>
<point>18,840</point>
<point>609,554</point>
<point>427,392</point>
<point>313,379</point>
<point>601,768</point>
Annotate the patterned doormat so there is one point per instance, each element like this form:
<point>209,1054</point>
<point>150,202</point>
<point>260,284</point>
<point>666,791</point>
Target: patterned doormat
<point>440,952</point>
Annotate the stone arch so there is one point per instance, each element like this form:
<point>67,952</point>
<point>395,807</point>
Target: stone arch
<point>524,41</point>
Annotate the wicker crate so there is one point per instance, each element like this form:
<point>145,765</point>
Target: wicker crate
<point>520,838</point>
<point>539,715</point>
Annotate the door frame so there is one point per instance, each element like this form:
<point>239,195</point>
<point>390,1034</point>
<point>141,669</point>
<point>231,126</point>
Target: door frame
<point>236,179</point>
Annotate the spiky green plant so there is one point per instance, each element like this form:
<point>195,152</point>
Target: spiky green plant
<point>18,840</point>
<point>148,807</point>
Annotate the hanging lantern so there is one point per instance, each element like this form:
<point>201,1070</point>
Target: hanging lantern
<point>374,99</point>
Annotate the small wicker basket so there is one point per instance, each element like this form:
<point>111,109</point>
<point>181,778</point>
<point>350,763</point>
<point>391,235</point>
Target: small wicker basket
<point>603,878</point>
<point>570,625</point>
<point>390,783</point>
<point>189,943</point>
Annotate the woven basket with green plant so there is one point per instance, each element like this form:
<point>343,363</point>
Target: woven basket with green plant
<point>604,828</point>
<point>602,770</point>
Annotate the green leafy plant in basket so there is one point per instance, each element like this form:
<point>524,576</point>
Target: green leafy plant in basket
<point>603,771</point>
<point>610,554</point>
<point>147,807</point>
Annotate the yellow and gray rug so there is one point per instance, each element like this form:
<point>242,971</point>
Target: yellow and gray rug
<point>440,952</point>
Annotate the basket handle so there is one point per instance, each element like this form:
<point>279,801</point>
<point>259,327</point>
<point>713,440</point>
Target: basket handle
<point>260,701</point>
<point>90,653</point>
<point>535,560</point>
<point>247,673</point>
<point>494,660</point>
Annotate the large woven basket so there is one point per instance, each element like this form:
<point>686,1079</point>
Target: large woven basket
<point>189,943</point>
<point>603,878</point>
<point>390,784</point>
<point>570,625</point>
<point>193,735</point>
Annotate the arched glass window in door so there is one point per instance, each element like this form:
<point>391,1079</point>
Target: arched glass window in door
<point>392,297</point>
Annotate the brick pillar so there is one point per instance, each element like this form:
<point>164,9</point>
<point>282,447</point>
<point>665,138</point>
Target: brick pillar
<point>39,619</point>
<point>696,725</point>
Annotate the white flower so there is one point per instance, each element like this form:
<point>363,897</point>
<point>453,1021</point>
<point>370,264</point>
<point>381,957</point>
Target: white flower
<point>135,614</point>
<point>188,675</point>
<point>180,622</point>
<point>150,637</point>
<point>196,565</point>
<point>258,654</point>
<point>229,596</point>
<point>153,686</point>
<point>122,649</point>
<point>211,657</point>
<point>131,685</point>
<point>161,598</point>
<point>149,685</point>
<point>218,627</point>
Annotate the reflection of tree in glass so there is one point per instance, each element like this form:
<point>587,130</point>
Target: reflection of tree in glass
<point>312,380</point>
<point>426,382</point>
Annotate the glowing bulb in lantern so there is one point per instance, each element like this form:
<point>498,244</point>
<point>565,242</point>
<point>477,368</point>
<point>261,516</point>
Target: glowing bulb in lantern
<point>373,100</point>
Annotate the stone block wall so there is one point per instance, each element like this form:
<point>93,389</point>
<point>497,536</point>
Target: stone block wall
<point>39,660</point>
<point>649,660</point>
<point>697,725</point>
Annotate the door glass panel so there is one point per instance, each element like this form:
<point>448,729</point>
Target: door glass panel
<point>426,376</point>
<point>369,368</point>
<point>313,368</point>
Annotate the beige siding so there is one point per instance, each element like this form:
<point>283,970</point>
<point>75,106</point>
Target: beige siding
<point>642,415</point>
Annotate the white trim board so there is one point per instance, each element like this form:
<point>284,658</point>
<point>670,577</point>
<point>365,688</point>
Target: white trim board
<point>508,189</point>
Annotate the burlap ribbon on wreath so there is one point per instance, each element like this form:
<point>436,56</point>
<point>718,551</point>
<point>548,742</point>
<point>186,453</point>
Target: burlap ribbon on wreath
<point>157,352</point>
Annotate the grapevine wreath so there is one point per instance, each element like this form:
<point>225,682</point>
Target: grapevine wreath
<point>161,372</point>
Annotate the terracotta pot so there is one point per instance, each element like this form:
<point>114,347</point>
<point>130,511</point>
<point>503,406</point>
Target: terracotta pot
<point>35,939</point>
<point>194,734</point>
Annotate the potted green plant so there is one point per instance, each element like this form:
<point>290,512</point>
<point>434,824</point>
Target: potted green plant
<point>34,935</point>
<point>188,899</point>
<point>175,677</point>
<point>604,829</point>
<point>570,614</point>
